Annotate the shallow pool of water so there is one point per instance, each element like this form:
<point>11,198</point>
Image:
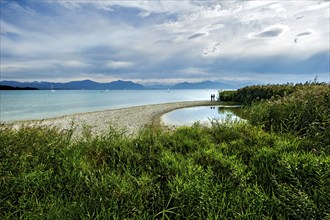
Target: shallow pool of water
<point>203,115</point>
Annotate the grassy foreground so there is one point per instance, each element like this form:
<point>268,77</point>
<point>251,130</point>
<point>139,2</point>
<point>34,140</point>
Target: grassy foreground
<point>227,171</point>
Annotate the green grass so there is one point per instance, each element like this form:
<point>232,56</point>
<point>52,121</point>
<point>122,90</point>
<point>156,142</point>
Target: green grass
<point>231,171</point>
<point>227,171</point>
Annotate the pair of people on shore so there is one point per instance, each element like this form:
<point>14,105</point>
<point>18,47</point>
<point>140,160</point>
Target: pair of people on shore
<point>212,97</point>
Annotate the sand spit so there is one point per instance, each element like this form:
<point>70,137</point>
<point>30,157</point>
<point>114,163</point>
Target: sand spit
<point>127,120</point>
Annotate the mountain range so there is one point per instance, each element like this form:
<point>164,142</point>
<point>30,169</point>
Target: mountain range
<point>114,85</point>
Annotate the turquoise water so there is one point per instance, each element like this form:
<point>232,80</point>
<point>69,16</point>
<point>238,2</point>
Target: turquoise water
<point>203,115</point>
<point>40,104</point>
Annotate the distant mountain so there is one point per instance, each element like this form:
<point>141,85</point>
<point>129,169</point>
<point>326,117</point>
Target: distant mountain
<point>203,85</point>
<point>116,85</point>
<point>124,85</point>
<point>77,85</point>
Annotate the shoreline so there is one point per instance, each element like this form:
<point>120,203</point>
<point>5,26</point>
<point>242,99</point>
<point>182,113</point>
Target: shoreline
<point>129,121</point>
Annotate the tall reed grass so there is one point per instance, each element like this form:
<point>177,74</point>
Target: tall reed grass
<point>227,171</point>
<point>250,94</point>
<point>305,113</point>
<point>301,109</point>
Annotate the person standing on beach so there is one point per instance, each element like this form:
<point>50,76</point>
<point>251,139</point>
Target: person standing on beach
<point>212,97</point>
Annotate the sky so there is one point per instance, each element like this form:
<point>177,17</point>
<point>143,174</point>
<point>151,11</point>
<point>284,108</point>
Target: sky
<point>165,42</point>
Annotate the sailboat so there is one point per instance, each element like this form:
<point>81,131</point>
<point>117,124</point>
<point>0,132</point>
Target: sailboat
<point>52,89</point>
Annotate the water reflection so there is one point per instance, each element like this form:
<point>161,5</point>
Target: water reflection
<point>203,115</point>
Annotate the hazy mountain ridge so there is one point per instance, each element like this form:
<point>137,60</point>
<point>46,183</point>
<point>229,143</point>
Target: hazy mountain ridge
<point>116,85</point>
<point>77,85</point>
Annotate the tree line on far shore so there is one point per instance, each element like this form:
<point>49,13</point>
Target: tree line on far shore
<point>4,87</point>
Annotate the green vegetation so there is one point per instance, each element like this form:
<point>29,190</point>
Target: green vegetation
<point>226,95</point>
<point>301,109</point>
<point>306,112</point>
<point>256,93</point>
<point>228,171</point>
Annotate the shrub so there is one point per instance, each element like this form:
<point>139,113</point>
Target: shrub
<point>305,112</point>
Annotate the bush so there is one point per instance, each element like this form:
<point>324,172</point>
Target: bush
<point>226,95</point>
<point>305,113</point>
<point>256,93</point>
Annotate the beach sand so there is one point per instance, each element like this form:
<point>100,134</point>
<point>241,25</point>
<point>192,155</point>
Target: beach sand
<point>129,121</point>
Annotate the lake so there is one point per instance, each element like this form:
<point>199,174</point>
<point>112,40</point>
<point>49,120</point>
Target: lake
<point>39,104</point>
<point>203,115</point>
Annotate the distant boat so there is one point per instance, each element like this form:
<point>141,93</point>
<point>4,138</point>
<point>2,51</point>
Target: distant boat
<point>52,89</point>
<point>168,90</point>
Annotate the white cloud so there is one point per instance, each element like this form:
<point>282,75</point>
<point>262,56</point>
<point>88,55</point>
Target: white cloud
<point>193,71</point>
<point>74,64</point>
<point>24,66</point>
<point>270,32</point>
<point>41,64</point>
<point>21,9</point>
<point>213,49</point>
<point>163,36</point>
<point>119,64</point>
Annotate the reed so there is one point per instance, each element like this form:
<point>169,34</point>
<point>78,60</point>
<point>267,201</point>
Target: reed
<point>226,171</point>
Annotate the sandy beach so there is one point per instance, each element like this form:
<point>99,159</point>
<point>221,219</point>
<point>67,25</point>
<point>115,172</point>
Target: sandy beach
<point>126,120</point>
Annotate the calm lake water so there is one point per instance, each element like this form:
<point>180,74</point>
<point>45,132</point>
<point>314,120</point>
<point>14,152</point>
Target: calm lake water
<point>40,104</point>
<point>203,115</point>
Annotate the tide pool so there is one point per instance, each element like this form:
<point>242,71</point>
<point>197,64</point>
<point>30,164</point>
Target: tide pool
<point>203,115</point>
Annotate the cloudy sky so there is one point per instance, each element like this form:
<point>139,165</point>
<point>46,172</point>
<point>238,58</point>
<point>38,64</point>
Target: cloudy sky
<point>165,41</point>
